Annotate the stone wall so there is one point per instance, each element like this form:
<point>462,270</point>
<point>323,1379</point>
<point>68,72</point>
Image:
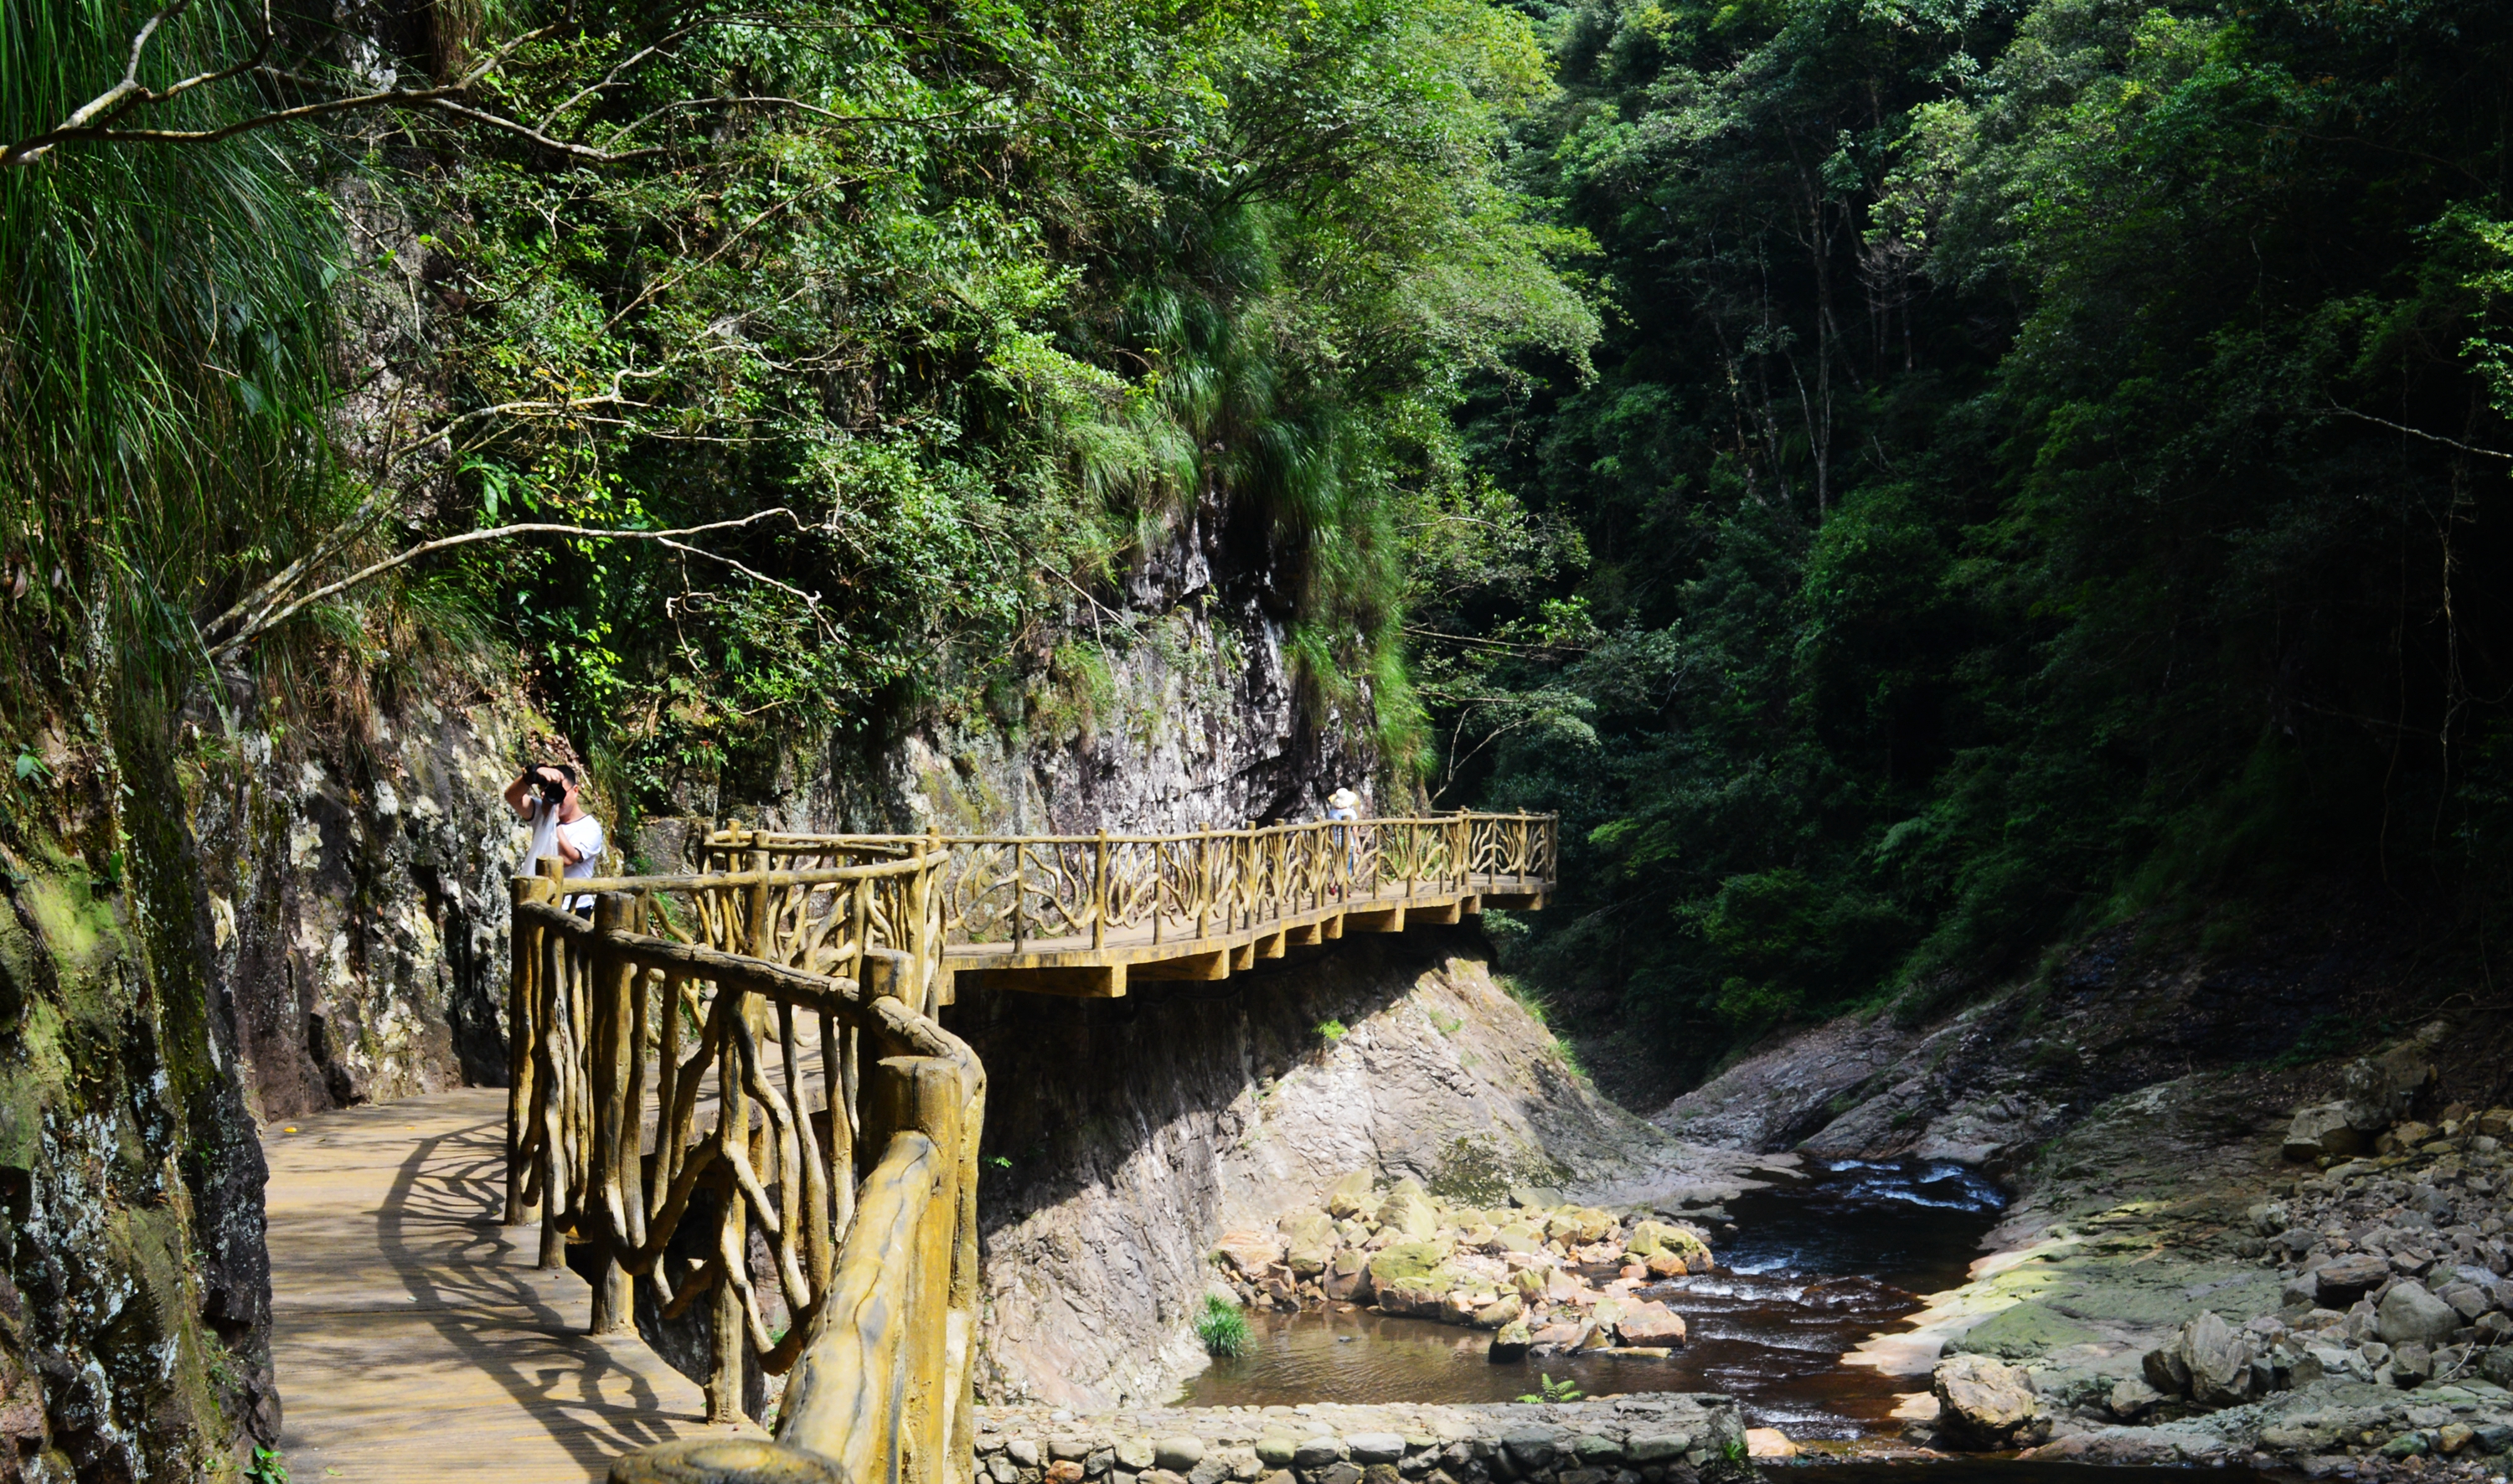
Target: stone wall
<point>1660,1438</point>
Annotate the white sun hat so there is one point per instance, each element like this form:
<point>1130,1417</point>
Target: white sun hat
<point>1344,799</point>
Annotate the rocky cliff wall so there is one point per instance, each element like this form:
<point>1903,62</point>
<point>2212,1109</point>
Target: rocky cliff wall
<point>1124,1136</point>
<point>357,891</point>
<point>134,1291</point>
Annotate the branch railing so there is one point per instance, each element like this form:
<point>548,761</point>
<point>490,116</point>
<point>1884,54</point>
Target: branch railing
<point>1069,890</point>
<point>730,1088</point>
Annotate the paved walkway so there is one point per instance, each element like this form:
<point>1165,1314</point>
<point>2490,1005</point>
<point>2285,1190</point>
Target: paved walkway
<point>414,1337</point>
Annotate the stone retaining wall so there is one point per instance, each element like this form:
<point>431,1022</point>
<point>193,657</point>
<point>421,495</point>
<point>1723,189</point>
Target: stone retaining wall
<point>1660,1438</point>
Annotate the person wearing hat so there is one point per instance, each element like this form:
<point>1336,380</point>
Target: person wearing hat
<point>1344,803</point>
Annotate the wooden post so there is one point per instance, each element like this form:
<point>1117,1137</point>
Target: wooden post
<point>1019,850</point>
<point>523,958</point>
<point>558,1080</point>
<point>1100,889</point>
<point>925,1095</point>
<point>1203,878</point>
<point>729,1335</point>
<point>613,1303</point>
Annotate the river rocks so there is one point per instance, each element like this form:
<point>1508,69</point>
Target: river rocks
<point>1405,1252</point>
<point>1660,1438</point>
<point>1982,1403</point>
<point>2343,1280</point>
<point>2409,1312</point>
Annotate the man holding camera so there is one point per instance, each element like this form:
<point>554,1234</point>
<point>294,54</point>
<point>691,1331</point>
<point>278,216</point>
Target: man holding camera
<point>544,797</point>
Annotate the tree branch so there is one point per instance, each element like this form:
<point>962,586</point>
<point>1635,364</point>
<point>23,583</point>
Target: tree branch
<point>2402,427</point>
<point>270,617</point>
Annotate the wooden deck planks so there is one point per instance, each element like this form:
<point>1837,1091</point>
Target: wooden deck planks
<point>415,1341</point>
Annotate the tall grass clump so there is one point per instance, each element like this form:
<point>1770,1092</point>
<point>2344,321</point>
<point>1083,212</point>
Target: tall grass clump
<point>164,324</point>
<point>1222,1327</point>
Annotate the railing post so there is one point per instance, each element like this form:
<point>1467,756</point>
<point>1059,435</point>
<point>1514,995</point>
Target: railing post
<point>614,1304</point>
<point>555,1019</point>
<point>523,959</point>
<point>1019,850</point>
<point>924,1094</point>
<point>1203,881</point>
<point>1100,889</point>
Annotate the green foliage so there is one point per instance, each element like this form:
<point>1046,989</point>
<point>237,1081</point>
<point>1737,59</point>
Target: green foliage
<point>162,355</point>
<point>2044,466</point>
<point>1551,1391</point>
<point>1333,1030</point>
<point>1221,1328</point>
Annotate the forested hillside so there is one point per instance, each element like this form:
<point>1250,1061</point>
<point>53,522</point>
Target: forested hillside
<point>2046,465</point>
<point>1910,481</point>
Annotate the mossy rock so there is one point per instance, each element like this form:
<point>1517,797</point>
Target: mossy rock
<point>2025,1331</point>
<point>1405,1262</point>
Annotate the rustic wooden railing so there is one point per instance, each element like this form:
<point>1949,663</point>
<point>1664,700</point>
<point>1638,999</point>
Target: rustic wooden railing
<point>730,1087</point>
<point>1019,889</point>
<point>708,1056</point>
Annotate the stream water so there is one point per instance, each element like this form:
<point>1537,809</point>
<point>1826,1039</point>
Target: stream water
<point>1814,1267</point>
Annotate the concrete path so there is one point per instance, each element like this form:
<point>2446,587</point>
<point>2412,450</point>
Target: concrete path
<point>414,1337</point>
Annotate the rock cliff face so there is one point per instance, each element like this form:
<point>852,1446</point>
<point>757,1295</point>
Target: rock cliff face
<point>1124,1136</point>
<point>135,1289</point>
<point>358,898</point>
<point>1179,710</point>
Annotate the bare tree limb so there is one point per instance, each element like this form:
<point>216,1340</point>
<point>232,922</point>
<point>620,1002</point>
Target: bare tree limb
<point>2402,427</point>
<point>270,617</point>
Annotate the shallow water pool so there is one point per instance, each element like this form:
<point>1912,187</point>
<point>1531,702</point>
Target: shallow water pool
<point>1814,1267</point>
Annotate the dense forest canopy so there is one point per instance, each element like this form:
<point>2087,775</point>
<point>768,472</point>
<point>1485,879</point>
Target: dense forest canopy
<point>1910,479</point>
<point>2047,463</point>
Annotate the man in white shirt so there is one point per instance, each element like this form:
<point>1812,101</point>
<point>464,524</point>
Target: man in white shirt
<point>545,797</point>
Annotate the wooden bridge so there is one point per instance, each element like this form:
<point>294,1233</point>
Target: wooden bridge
<point>730,1090</point>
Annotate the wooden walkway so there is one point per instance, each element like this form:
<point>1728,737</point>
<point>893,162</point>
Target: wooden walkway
<point>415,1340</point>
<point>1072,966</point>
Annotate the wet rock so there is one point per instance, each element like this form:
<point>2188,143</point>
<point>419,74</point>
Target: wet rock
<point>2409,1313</point>
<point>1511,1343</point>
<point>1667,1263</point>
<point>1982,1403</point>
<point>1277,1452</point>
<point>1499,1313</point>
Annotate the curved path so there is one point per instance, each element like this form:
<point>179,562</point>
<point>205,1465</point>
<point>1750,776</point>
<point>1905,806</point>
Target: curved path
<point>413,1339</point>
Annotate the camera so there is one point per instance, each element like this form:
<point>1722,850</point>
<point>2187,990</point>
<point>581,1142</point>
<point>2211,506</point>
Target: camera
<point>542,785</point>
